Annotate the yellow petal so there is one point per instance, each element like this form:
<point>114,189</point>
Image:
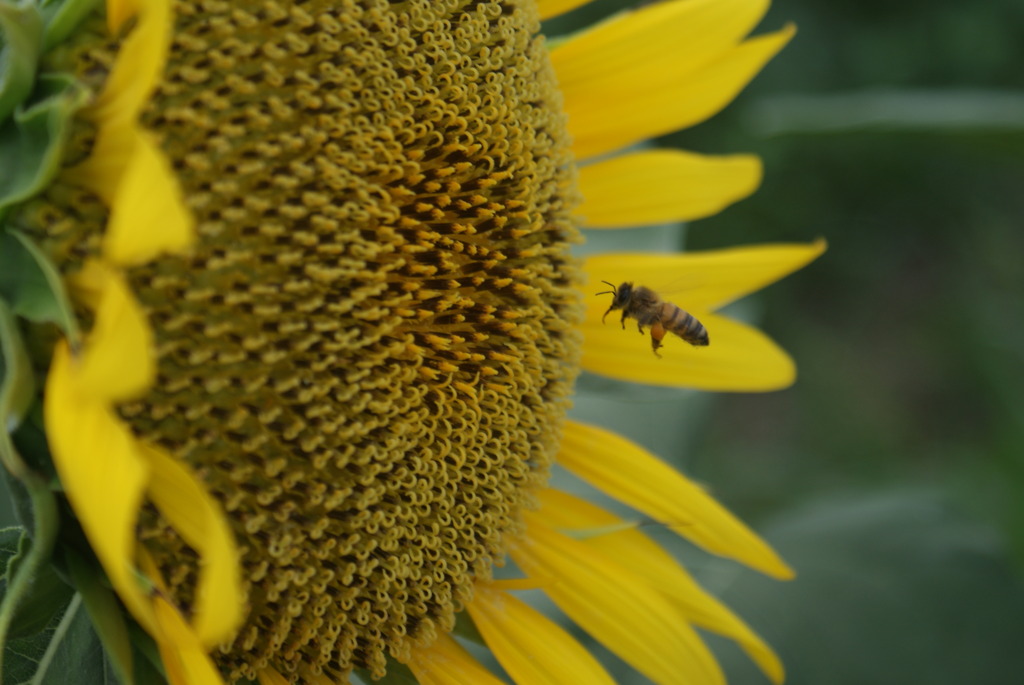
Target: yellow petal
<point>198,519</point>
<point>183,656</point>
<point>739,358</point>
<point>531,648</point>
<point>118,362</point>
<point>552,8</point>
<point>633,476</point>
<point>615,606</point>
<point>661,42</point>
<point>102,474</point>
<point>139,62</point>
<point>661,186</point>
<point>103,170</point>
<point>269,676</point>
<point>148,215</point>
<point>120,11</point>
<point>700,280</point>
<point>648,560</point>
<point>126,168</point>
<point>629,106</point>
<point>320,679</point>
<point>446,663</point>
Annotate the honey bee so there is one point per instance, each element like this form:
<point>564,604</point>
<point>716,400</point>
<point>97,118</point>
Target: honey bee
<point>644,305</point>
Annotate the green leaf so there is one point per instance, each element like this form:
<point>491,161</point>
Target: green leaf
<point>32,141</point>
<point>62,17</point>
<point>22,656</point>
<point>45,597</point>
<point>27,566</point>
<point>33,593</point>
<point>21,36</point>
<point>10,541</point>
<point>74,653</point>
<point>24,651</point>
<point>31,284</point>
<point>108,617</point>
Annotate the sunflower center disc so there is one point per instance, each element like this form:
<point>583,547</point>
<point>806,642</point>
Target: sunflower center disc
<point>367,356</point>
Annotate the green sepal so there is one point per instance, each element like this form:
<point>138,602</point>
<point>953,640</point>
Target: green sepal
<point>45,598</point>
<point>17,383</point>
<point>149,669</point>
<point>32,286</point>
<point>32,139</point>
<point>21,42</point>
<point>62,17</point>
<point>108,618</point>
<point>19,499</point>
<point>31,445</point>
<point>148,674</point>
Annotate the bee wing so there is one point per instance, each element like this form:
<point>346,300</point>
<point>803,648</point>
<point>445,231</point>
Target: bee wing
<point>677,286</point>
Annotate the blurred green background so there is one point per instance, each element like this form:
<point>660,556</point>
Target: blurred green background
<point>891,476</point>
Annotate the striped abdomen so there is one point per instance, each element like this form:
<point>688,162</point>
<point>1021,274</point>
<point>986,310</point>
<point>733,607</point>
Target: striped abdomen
<point>683,324</point>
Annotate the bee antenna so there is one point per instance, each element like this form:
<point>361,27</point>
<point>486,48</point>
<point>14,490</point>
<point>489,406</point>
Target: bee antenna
<point>613,291</point>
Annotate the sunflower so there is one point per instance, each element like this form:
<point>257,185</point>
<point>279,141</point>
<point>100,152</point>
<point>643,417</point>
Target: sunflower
<point>293,289</point>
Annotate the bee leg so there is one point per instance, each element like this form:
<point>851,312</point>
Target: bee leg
<point>623,322</point>
<point>640,327</point>
<point>657,333</point>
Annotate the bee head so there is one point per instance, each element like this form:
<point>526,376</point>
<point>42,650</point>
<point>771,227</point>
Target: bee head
<point>620,296</point>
